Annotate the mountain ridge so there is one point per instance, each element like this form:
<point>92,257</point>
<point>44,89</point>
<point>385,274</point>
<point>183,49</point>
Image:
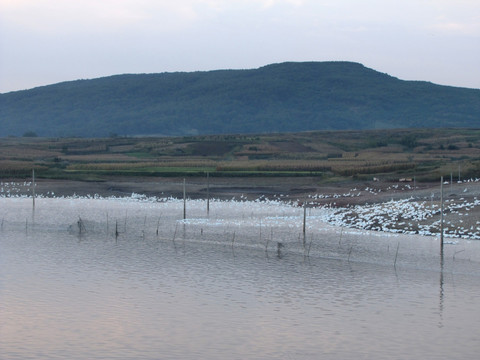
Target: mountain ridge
<point>283,97</point>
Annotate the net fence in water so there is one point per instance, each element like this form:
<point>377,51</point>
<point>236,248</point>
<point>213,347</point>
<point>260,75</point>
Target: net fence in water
<point>272,227</point>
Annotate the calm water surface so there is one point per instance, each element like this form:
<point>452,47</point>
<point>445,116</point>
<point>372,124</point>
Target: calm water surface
<point>216,296</point>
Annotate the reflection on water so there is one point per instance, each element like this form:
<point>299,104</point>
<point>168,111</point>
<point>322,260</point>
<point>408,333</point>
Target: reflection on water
<point>207,289</point>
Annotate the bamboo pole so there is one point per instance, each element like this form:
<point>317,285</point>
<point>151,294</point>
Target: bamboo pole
<point>451,182</point>
<point>304,222</point>
<point>33,187</point>
<point>184,201</point>
<point>304,216</point>
<point>208,193</point>
<point>396,255</point>
<point>260,235</point>
<point>414,186</point>
<point>441,215</point>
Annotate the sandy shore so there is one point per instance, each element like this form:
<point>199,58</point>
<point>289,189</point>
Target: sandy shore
<point>301,189</point>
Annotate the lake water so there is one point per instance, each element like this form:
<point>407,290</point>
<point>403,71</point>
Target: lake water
<point>129,279</point>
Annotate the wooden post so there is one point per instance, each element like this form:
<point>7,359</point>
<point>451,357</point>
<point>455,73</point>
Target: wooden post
<point>208,193</point>
<point>260,232</point>
<point>304,216</point>
<point>184,201</point>
<point>304,221</point>
<point>451,182</point>
<point>396,255</point>
<point>33,187</point>
<point>441,215</point>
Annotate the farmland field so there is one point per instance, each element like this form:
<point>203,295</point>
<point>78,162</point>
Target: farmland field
<point>328,156</point>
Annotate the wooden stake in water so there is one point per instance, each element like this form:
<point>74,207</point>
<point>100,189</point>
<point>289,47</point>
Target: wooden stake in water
<point>414,185</point>
<point>304,222</point>
<point>81,226</point>
<point>208,193</point>
<point>184,201</point>
<point>33,187</point>
<point>451,182</point>
<point>260,236</point>
<point>304,216</point>
<point>396,255</point>
<point>441,215</point>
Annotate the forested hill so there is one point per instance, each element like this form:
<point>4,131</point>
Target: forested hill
<point>286,97</point>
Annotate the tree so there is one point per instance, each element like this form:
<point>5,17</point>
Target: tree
<point>30,134</point>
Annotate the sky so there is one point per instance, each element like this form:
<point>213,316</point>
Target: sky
<point>48,41</point>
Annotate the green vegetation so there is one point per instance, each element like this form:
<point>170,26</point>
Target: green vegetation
<point>287,97</point>
<point>326,155</point>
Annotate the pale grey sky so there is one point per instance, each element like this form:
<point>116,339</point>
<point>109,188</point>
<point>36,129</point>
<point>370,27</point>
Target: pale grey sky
<point>48,41</point>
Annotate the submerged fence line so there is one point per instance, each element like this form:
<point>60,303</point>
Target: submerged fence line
<point>273,228</point>
<point>282,245</point>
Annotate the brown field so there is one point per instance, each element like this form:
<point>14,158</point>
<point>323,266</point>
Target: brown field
<point>326,157</point>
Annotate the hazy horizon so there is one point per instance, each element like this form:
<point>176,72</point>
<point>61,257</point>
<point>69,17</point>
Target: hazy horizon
<point>49,41</point>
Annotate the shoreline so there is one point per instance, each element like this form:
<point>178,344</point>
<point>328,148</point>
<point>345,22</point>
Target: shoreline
<point>294,189</point>
<point>368,205</point>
